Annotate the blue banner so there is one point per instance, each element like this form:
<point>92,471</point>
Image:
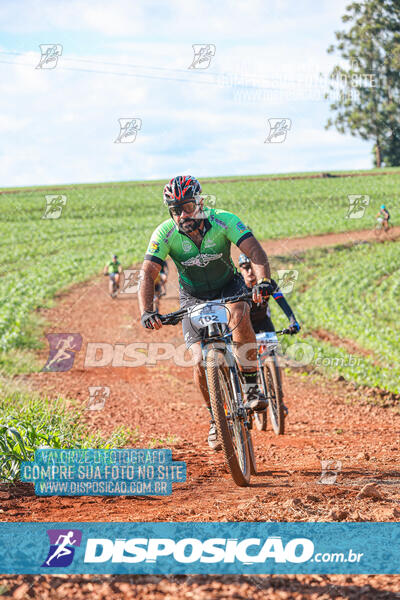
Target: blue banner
<point>208,548</point>
<point>112,472</point>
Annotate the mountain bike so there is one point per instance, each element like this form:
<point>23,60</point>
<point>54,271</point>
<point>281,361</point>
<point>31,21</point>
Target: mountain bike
<point>115,286</point>
<point>232,419</point>
<point>379,227</point>
<point>270,382</point>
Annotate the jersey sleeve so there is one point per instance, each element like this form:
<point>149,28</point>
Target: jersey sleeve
<point>236,231</point>
<point>158,248</point>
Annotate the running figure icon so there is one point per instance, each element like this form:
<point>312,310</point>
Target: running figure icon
<point>63,347</point>
<point>62,549</point>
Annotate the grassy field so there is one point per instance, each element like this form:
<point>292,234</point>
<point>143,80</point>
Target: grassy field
<point>354,293</point>
<point>41,256</point>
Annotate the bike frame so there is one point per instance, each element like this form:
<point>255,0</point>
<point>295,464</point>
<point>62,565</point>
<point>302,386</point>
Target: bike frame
<point>221,333</point>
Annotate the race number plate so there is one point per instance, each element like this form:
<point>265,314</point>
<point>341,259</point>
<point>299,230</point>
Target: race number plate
<point>268,338</point>
<point>207,313</point>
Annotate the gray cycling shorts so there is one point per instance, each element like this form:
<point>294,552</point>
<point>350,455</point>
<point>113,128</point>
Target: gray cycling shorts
<point>191,333</point>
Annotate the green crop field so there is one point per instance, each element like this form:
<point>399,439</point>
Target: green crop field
<point>354,293</point>
<point>351,292</point>
<point>40,256</point>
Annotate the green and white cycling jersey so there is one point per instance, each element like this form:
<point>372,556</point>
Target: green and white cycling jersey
<point>205,270</point>
<point>113,266</point>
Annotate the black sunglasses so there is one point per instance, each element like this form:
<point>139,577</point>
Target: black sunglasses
<point>246,267</point>
<point>189,207</point>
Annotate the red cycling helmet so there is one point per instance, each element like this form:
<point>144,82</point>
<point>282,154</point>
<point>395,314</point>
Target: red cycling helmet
<point>182,188</point>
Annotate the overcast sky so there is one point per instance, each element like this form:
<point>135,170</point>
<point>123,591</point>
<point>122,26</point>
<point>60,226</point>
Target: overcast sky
<point>129,59</point>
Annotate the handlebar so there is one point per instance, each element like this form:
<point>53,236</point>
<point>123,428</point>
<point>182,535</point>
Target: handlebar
<point>175,317</point>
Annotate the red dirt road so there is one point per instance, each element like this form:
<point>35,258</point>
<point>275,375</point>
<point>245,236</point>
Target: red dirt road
<point>326,421</point>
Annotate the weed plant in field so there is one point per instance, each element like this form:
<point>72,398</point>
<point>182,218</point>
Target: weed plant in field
<point>28,422</point>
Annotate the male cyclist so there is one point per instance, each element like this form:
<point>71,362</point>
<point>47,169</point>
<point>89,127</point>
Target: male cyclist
<point>113,269</point>
<point>385,216</point>
<point>160,285</point>
<point>260,315</point>
<point>198,240</point>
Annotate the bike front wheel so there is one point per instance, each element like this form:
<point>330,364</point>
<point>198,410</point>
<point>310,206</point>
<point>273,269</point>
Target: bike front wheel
<point>260,418</point>
<point>231,429</point>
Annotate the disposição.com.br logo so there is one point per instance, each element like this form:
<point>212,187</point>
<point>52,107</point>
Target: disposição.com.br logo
<point>61,551</point>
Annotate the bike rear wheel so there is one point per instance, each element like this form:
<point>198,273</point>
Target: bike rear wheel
<point>275,400</point>
<point>231,429</point>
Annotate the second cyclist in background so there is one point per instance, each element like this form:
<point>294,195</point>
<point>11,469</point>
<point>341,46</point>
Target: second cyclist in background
<point>113,269</point>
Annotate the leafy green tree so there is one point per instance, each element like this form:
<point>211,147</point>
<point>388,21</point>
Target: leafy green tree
<point>390,149</point>
<point>367,88</point>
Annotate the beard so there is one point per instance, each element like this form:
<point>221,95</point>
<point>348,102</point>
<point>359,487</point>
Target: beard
<point>189,225</point>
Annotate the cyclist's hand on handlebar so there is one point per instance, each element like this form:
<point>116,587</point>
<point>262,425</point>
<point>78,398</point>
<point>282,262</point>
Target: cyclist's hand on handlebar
<point>263,290</point>
<point>171,320</point>
<point>151,320</point>
<point>294,327</point>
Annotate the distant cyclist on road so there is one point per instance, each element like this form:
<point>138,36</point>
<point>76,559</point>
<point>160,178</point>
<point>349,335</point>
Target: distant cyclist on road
<point>113,269</point>
<point>199,239</point>
<point>160,285</point>
<point>384,215</point>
